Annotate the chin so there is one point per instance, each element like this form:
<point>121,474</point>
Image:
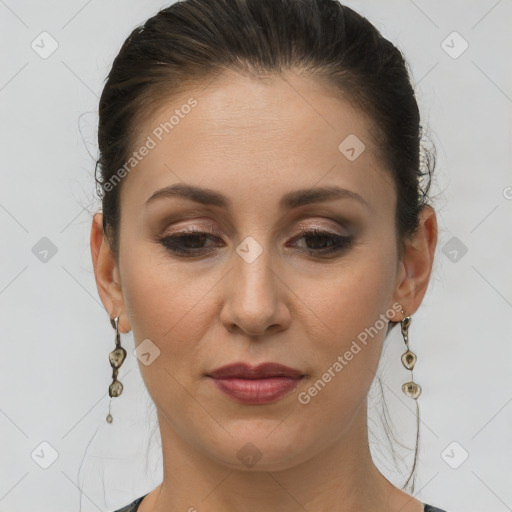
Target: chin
<point>259,446</point>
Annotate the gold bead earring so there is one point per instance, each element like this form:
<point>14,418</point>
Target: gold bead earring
<point>411,389</point>
<point>116,358</point>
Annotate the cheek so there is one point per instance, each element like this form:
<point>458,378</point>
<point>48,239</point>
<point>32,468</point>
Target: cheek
<point>351,298</point>
<point>161,309</point>
<point>350,321</point>
<point>169,306</point>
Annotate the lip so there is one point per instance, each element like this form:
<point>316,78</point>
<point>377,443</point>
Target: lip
<point>262,384</point>
<point>262,371</point>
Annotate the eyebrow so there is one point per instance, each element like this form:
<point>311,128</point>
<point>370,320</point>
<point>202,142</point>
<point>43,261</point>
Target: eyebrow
<point>290,200</point>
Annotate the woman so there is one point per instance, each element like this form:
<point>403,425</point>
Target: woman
<point>263,226</point>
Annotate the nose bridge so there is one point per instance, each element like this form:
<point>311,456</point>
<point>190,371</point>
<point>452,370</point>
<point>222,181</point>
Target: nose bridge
<point>254,279</point>
<point>251,300</point>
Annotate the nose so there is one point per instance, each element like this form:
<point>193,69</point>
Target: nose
<point>255,297</point>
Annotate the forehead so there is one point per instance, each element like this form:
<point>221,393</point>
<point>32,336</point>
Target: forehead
<point>242,134</point>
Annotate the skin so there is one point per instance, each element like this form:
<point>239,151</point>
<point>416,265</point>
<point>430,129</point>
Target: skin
<point>254,141</point>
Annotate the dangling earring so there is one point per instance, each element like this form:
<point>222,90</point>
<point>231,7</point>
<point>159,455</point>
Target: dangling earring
<point>116,358</point>
<point>411,389</point>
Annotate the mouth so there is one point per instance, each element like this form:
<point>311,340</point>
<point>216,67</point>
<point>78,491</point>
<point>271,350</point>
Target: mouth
<point>262,384</point>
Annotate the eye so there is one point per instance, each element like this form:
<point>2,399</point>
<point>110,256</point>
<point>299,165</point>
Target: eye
<point>189,243</point>
<point>324,242</point>
<point>192,243</point>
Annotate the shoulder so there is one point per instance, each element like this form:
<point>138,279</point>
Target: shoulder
<point>134,505</point>
<point>430,508</point>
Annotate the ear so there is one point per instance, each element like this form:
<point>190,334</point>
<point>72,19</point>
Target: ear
<point>416,266</point>
<point>107,274</point>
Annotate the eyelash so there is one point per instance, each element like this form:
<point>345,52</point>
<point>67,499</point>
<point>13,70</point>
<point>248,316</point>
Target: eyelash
<point>341,243</point>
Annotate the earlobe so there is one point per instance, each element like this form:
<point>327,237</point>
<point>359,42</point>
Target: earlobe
<point>416,267</point>
<point>106,273</point>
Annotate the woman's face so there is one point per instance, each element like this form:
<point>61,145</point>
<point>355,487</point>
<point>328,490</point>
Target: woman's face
<point>253,287</point>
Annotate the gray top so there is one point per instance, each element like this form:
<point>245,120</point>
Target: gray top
<point>134,505</point>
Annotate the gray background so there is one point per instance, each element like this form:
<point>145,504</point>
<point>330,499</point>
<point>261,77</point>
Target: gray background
<point>56,334</point>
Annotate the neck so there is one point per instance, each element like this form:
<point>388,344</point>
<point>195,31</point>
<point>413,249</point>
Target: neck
<point>340,477</point>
